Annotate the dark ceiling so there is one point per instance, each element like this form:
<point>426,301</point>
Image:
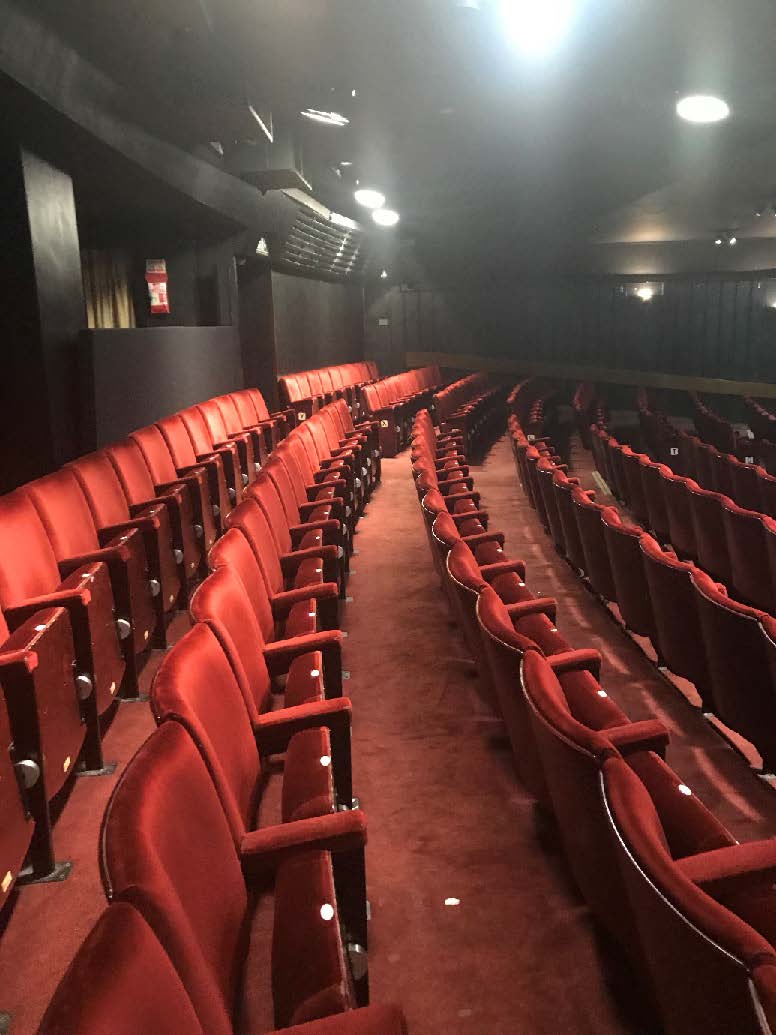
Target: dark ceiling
<point>469,139</point>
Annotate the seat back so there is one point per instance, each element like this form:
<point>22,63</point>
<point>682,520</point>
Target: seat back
<point>259,404</point>
<point>633,599</point>
<point>563,489</point>
<point>196,686</point>
<point>221,601</point>
<point>64,511</point>
<point>132,471</point>
<point>144,993</point>
<point>591,533</point>
<point>28,564</point>
<point>467,583</point>
<point>747,547</point>
<point>738,657</point>
<point>101,487</point>
<point>198,430</point>
<point>250,519</point>
<point>678,639</point>
<point>637,502</point>
<point>265,494</point>
<point>156,453</point>
<point>235,552</point>
<point>504,649</point>
<point>654,498</point>
<point>178,441</point>
<point>166,847</point>
<point>681,529</point>
<point>214,419</point>
<point>545,472</point>
<point>707,510</point>
<point>571,756</point>
<point>710,971</point>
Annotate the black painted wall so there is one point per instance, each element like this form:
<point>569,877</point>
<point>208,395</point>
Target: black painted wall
<point>134,377</point>
<point>317,323</point>
<point>707,325</point>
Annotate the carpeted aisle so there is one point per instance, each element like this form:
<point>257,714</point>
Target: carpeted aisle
<point>517,951</point>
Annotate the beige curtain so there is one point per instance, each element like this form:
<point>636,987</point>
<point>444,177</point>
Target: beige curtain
<point>106,276</point>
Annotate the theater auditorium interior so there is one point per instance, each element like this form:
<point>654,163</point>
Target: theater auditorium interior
<point>388,517</point>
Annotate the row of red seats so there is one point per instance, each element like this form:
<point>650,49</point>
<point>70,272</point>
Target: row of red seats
<point>589,408</point>
<point>533,403</point>
<point>654,864</point>
<point>724,647</point>
<point>472,406</point>
<point>306,391</point>
<point>763,422</point>
<point>747,483</point>
<point>95,558</point>
<point>394,401</point>
<point>715,429</point>
<point>188,859</point>
<point>735,544</point>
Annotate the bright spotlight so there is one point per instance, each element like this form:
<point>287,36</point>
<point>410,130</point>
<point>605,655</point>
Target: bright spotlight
<point>370,198</point>
<point>537,27</point>
<point>385,217</point>
<point>645,293</point>
<point>702,108</point>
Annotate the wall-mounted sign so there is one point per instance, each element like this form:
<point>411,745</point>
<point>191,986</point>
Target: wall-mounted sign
<point>156,278</point>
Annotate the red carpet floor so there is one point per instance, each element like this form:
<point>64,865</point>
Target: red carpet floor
<point>516,951</point>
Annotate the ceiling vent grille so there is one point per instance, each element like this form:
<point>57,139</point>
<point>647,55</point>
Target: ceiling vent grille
<point>315,244</point>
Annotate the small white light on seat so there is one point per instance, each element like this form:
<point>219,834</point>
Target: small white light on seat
<point>327,911</point>
<point>318,571</point>
<point>684,789</point>
<point>325,761</point>
<point>40,628</point>
<point>314,672</point>
<point>452,901</point>
<point>311,614</point>
<point>602,693</point>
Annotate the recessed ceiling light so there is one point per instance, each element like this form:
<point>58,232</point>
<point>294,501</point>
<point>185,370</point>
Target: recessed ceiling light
<point>385,217</point>
<point>346,165</point>
<point>384,275</point>
<point>718,242</point>
<point>702,108</point>
<point>537,27</point>
<point>645,293</point>
<point>328,118</point>
<point>369,198</point>
<point>733,241</point>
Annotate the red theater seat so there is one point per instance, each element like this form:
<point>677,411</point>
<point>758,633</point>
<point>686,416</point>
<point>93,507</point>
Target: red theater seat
<point>112,516</point>
<point>750,539</point>
<point>166,479</point>
<point>572,752</point>
<point>564,488</point>
<point>187,461</point>
<point>31,580</point>
<point>633,599</point>
<point>222,436</point>
<point>205,446</point>
<point>703,906</point>
<point>64,512</point>
<point>677,633</point>
<point>304,580</point>
<point>652,475</point>
<point>168,850</point>
<point>591,533</point>
<point>235,552</point>
<point>196,686</point>
<point>676,493</point>
<point>739,655</point>
<point>707,510</point>
<point>140,492</point>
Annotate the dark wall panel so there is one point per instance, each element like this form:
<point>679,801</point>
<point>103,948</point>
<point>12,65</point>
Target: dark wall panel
<point>701,326</point>
<point>317,323</point>
<point>134,377</point>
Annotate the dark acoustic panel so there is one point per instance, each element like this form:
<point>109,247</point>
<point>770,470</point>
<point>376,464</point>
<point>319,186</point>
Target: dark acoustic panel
<point>317,323</point>
<point>134,377</point>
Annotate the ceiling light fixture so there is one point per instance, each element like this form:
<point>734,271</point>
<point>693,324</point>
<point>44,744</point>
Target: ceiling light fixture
<point>369,198</point>
<point>645,293</point>
<point>718,242</point>
<point>384,275</point>
<point>327,118</point>
<point>537,27</point>
<point>732,241</point>
<point>702,108</point>
<point>385,217</point>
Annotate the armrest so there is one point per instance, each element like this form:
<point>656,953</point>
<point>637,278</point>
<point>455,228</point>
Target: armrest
<point>328,556</point>
<point>647,735</point>
<point>733,868</point>
<point>141,524</point>
<point>273,730</point>
<point>576,661</point>
<point>108,554</point>
<point>539,606</point>
<point>279,654</point>
<point>16,616</point>
<point>480,515</point>
<point>283,602</point>
<point>265,849</point>
<point>492,571</point>
<point>458,497</point>
<point>329,525</point>
<point>482,537</point>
